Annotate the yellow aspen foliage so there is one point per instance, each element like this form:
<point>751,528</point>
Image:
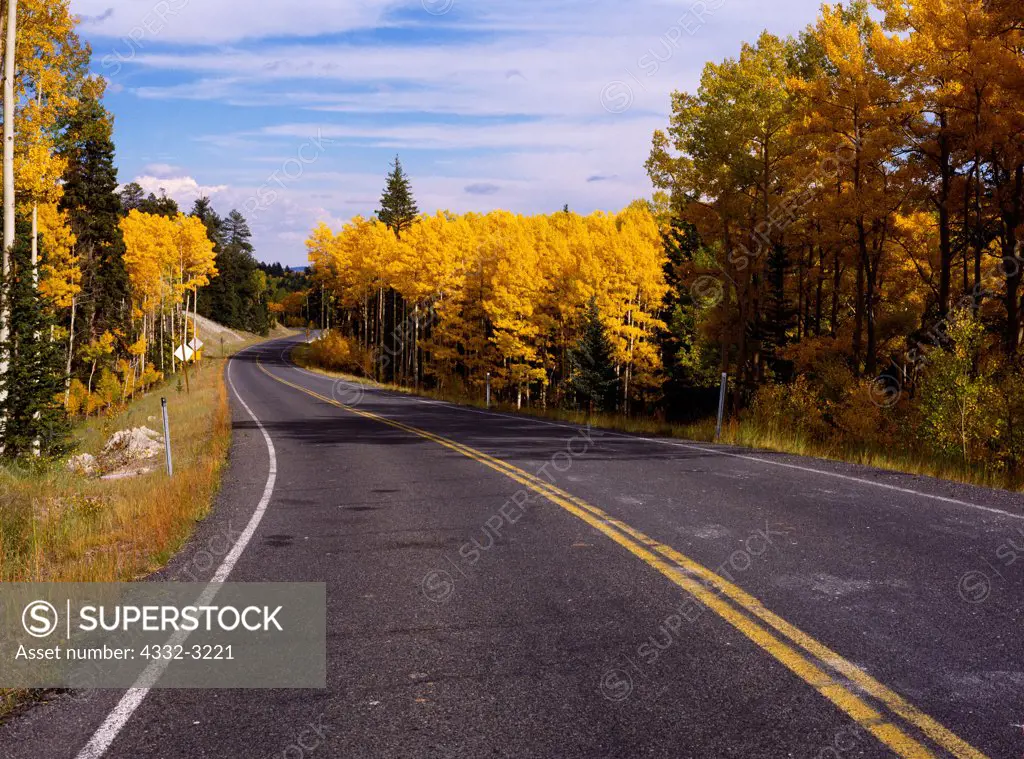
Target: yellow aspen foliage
<point>77,398</point>
<point>194,250</point>
<point>151,258</point>
<point>461,297</point>
<point>51,67</point>
<point>60,273</point>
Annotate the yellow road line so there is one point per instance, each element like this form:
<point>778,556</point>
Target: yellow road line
<point>669,562</point>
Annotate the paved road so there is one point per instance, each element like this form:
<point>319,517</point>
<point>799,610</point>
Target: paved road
<point>501,586</point>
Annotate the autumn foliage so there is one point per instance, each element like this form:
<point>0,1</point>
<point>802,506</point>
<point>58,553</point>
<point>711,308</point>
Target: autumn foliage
<point>844,215</point>
<point>456,298</point>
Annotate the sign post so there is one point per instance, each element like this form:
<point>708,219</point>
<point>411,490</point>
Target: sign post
<point>721,406</point>
<point>167,438</point>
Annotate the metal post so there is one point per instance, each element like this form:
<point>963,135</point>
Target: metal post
<point>488,389</point>
<point>721,406</point>
<point>167,438</point>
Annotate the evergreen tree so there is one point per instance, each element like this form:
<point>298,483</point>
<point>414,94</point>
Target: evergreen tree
<point>593,377</point>
<point>691,368</point>
<point>780,315</point>
<point>34,381</point>
<point>132,197</point>
<point>236,297</point>
<point>397,206</point>
<point>275,269</point>
<point>237,232</point>
<point>160,206</point>
<point>94,207</point>
<point>202,209</point>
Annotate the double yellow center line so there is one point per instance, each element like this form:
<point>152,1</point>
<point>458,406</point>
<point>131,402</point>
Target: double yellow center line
<point>884,713</point>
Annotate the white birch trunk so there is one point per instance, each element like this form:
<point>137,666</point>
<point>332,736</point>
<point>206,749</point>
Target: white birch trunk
<point>8,184</point>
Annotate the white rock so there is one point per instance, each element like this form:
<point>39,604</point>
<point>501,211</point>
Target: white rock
<point>83,463</point>
<point>126,446</point>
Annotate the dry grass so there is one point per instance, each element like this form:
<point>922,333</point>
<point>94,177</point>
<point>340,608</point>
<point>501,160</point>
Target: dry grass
<point>59,527</point>
<point>738,433</point>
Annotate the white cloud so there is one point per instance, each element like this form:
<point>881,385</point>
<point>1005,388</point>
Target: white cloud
<point>183,189</point>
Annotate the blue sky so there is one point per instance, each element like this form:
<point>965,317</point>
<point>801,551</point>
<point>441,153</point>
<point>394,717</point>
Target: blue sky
<point>291,110</point>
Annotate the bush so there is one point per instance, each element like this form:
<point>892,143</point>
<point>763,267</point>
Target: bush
<point>78,398</point>
<point>788,409</point>
<point>336,353</point>
<point>864,416</point>
<point>108,389</point>
<point>151,376</point>
<point>959,398</point>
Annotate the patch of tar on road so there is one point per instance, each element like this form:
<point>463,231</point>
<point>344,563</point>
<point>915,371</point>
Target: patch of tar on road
<point>278,541</point>
<point>822,584</point>
<point>735,474</point>
<point>429,542</point>
<point>707,532</point>
<point>991,685</point>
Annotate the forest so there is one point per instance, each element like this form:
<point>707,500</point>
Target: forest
<point>836,225</point>
<point>453,299</point>
<point>846,211</point>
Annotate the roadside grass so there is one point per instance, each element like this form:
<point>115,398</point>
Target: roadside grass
<point>56,526</point>
<point>743,433</point>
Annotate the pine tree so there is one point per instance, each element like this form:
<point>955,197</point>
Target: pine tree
<point>780,316</point>
<point>132,197</point>
<point>202,209</point>
<point>33,409</point>
<point>237,232</point>
<point>235,297</point>
<point>397,206</point>
<point>160,206</point>
<point>94,208</point>
<point>593,376</point>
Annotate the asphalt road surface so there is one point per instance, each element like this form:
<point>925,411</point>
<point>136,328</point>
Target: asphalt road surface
<point>509,587</point>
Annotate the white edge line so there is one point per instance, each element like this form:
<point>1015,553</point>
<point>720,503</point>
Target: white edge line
<point>525,419</point>
<point>119,716</point>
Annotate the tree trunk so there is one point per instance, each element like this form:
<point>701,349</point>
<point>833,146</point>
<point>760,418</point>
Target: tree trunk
<point>10,40</point>
<point>858,315</point>
<point>870,297</point>
<point>174,340</point>
<point>184,342</point>
<point>416,346</point>
<point>163,319</point>
<point>1012,217</point>
<point>71,352</point>
<point>818,294</point>
<point>945,245</point>
<point>837,283</point>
